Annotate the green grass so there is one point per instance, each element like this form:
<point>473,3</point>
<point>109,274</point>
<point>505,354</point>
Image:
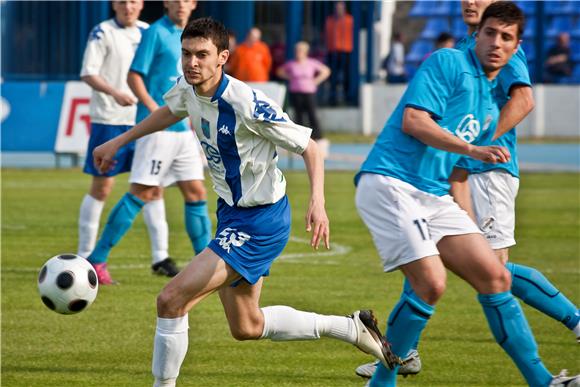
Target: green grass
<point>110,343</point>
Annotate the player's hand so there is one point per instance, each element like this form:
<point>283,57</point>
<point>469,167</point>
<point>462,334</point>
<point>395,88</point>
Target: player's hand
<point>491,154</point>
<point>103,156</point>
<point>124,99</point>
<point>317,222</point>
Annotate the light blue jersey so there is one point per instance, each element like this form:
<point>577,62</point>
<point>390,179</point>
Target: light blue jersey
<point>452,86</point>
<point>158,60</point>
<point>514,73</point>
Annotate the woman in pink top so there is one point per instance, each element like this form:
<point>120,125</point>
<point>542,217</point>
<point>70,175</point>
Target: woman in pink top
<point>304,74</point>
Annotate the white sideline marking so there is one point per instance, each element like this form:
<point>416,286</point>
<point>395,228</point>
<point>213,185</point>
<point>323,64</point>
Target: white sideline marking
<point>335,250</point>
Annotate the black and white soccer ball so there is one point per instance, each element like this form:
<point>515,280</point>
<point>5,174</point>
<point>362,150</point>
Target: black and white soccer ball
<point>67,284</point>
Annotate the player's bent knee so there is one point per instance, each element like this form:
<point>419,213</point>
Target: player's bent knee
<point>434,291</point>
<point>246,333</point>
<point>168,306</point>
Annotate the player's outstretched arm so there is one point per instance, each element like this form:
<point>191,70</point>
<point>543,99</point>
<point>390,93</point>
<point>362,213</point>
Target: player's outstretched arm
<point>158,120</point>
<point>419,124</point>
<point>316,218</point>
<point>521,103</point>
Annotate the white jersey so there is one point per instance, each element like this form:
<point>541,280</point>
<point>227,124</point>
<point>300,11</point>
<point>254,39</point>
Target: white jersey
<point>239,129</point>
<point>109,53</point>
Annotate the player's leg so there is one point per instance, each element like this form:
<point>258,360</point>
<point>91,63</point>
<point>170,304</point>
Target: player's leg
<point>201,277</point>
<point>494,194</point>
<point>470,257</point>
<point>197,222</point>
<point>248,321</point>
<point>395,216</point>
<point>101,184</point>
<point>90,213</point>
<point>187,169</point>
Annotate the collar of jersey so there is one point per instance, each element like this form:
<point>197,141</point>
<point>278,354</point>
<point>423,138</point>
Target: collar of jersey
<point>117,23</point>
<point>169,24</point>
<point>221,88</point>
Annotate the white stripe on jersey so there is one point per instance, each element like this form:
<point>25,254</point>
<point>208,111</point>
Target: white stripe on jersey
<point>239,129</point>
<point>109,53</point>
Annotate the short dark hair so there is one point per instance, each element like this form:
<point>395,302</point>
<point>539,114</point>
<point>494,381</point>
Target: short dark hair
<point>207,28</point>
<point>507,12</point>
<point>443,37</point>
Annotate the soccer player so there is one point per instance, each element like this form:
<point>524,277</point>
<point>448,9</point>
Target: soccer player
<point>240,129</point>
<point>403,194</point>
<point>162,158</point>
<point>108,55</point>
<point>493,189</point>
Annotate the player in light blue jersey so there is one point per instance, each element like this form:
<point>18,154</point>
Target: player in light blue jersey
<point>239,129</point>
<point>162,158</point>
<point>403,196</point>
<point>493,192</point>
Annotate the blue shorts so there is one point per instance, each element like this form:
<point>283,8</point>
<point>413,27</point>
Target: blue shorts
<point>101,133</point>
<point>249,239</point>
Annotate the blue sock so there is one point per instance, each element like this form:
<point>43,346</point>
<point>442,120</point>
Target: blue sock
<point>120,220</point>
<point>512,332</point>
<point>197,224</point>
<point>530,286</point>
<point>406,322</point>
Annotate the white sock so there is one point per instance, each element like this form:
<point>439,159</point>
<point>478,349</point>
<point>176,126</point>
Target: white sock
<point>169,349</point>
<point>154,216</point>
<point>89,217</point>
<point>576,330</point>
<point>283,323</point>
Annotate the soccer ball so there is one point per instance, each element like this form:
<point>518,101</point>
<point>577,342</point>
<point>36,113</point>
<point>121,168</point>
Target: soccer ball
<point>67,284</point>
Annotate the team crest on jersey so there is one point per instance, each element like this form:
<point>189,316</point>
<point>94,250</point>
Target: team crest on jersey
<point>205,127</point>
<point>265,112</point>
<point>468,129</point>
<point>231,236</point>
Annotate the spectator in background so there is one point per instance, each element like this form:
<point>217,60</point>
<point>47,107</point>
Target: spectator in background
<point>444,40</point>
<point>394,63</point>
<point>278,51</point>
<point>252,61</point>
<point>339,37</point>
<point>558,64</point>
<point>304,75</point>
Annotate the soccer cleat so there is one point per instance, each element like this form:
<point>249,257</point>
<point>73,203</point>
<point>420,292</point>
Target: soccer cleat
<point>412,366</point>
<point>369,338</point>
<point>103,274</point>
<point>562,380</point>
<point>166,267</point>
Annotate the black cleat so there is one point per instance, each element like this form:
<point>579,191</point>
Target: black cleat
<point>166,267</point>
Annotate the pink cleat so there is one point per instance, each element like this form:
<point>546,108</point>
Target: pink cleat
<point>103,274</point>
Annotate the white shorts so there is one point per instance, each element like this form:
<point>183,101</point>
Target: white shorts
<point>162,158</point>
<point>406,224</point>
<point>493,194</point>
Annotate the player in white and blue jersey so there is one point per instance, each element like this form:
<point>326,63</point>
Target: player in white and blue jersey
<point>240,129</point>
<point>108,55</point>
<point>161,158</point>
<point>403,194</point>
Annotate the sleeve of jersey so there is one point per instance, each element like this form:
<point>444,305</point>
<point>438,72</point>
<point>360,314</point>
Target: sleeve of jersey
<point>95,52</point>
<point>433,83</point>
<point>515,72</point>
<point>145,53</point>
<point>175,99</point>
<point>265,118</point>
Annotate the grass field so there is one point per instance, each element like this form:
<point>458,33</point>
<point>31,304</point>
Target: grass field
<point>110,344</point>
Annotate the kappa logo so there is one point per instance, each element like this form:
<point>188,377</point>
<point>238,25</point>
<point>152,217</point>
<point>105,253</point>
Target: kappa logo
<point>468,129</point>
<point>225,130</point>
<point>231,236</point>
